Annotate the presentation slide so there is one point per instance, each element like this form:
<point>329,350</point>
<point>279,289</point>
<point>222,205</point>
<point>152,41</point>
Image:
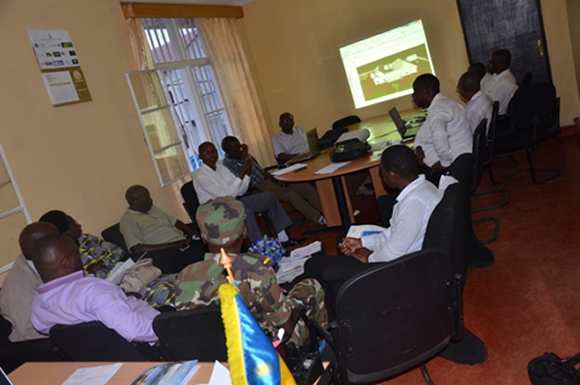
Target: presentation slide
<point>383,67</point>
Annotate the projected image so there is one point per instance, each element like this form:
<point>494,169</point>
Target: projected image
<point>393,73</point>
<point>383,67</point>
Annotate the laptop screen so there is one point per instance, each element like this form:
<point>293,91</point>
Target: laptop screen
<point>394,114</point>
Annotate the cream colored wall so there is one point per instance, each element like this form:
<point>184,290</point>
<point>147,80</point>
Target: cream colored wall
<point>295,49</point>
<point>79,158</point>
<point>574,24</point>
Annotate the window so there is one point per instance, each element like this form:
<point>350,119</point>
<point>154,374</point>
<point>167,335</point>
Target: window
<point>13,214</point>
<point>179,101</point>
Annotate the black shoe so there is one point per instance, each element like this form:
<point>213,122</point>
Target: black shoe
<point>470,350</point>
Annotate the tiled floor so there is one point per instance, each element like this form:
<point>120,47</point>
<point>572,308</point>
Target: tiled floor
<point>529,301</point>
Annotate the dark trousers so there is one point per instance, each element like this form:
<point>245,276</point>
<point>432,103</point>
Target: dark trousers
<point>171,261</point>
<point>332,272</point>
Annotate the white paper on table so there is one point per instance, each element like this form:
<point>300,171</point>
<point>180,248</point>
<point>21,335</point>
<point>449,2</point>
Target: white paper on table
<point>96,375</point>
<point>305,251</point>
<point>359,231</point>
<point>331,168</point>
<point>289,169</point>
<point>220,375</point>
<point>60,87</point>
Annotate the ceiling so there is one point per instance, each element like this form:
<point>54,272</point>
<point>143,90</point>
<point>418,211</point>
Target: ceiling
<point>206,2</point>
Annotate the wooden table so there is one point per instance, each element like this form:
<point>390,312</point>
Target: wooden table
<point>55,373</point>
<point>332,188</point>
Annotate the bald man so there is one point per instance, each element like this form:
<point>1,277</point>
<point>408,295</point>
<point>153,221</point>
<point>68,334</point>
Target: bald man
<point>150,231</point>
<point>67,297</point>
<point>478,106</point>
<point>21,282</point>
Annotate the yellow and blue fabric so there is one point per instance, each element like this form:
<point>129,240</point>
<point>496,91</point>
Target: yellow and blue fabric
<point>251,357</point>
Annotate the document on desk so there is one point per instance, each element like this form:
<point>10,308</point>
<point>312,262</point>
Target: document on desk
<point>95,375</point>
<point>289,169</point>
<point>331,168</point>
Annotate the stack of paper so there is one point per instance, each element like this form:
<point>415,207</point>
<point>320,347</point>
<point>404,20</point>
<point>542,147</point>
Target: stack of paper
<point>331,168</point>
<point>293,266</point>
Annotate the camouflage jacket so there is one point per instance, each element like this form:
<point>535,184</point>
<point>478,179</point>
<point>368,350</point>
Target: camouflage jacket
<point>199,283</point>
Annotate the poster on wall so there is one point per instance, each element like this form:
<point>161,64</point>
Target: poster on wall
<point>60,67</point>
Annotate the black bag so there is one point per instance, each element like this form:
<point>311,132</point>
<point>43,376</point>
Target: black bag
<point>348,150</point>
<point>330,137</point>
<point>550,369</point>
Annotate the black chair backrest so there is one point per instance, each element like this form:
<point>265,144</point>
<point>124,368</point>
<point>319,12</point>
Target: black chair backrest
<point>450,227</point>
<point>535,106</point>
<point>93,341</point>
<point>346,121</point>
<point>492,130</point>
<point>410,321</point>
<point>185,335</point>
<point>190,200</point>
<point>480,152</point>
<point>113,234</point>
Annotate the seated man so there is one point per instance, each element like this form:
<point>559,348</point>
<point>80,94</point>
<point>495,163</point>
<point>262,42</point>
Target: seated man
<point>221,222</point>
<point>302,196</point>
<point>478,105</point>
<point>149,231</point>
<point>411,212</point>
<point>445,134</point>
<point>67,297</point>
<point>291,141</point>
<point>501,85</point>
<point>21,282</point>
<point>100,257</point>
<point>213,180</point>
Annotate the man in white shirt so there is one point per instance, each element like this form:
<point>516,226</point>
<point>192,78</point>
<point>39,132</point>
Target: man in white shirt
<point>291,141</point>
<point>407,226</point>
<point>445,134</point>
<point>214,180</point>
<point>478,106</point>
<point>501,85</point>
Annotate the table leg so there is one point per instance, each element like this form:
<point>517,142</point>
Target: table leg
<point>328,202</point>
<point>347,200</point>
<point>377,181</point>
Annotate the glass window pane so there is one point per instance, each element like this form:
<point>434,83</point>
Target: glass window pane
<point>172,164</point>
<point>147,89</point>
<point>163,48</point>
<point>160,129</point>
<point>8,197</point>
<point>10,229</point>
<point>191,39</point>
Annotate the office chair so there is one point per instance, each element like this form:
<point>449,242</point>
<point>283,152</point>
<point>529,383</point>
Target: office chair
<point>113,234</point>
<point>468,169</point>
<point>93,341</point>
<point>14,354</point>
<point>192,334</point>
<point>380,336</point>
<point>487,165</point>
<point>345,122</point>
<point>190,200</point>
<point>534,119</point>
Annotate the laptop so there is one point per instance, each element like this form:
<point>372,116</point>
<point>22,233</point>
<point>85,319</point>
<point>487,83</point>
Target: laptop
<point>408,130</point>
<point>313,148</point>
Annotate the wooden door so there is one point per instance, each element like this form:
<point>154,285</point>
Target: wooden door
<point>516,25</point>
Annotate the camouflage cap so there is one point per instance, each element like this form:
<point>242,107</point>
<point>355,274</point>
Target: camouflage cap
<point>221,220</point>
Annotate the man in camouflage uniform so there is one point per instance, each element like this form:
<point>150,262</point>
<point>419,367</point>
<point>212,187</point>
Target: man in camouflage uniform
<point>221,222</point>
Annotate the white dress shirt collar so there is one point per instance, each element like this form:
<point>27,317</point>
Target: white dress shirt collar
<point>410,187</point>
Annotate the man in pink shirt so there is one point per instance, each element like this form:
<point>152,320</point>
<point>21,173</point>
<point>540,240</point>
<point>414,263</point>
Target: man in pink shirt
<point>67,297</point>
